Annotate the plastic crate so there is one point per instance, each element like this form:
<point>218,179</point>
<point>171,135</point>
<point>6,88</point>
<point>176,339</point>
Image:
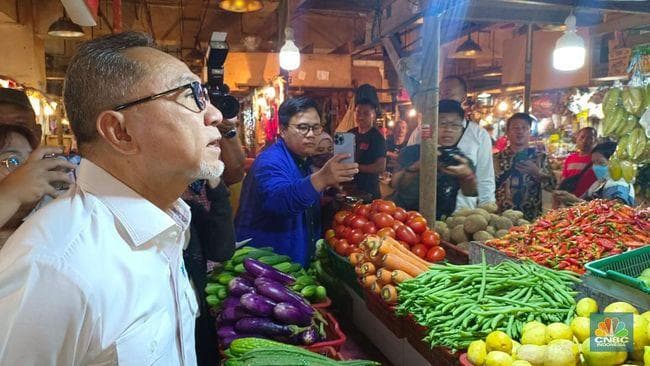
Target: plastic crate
<point>334,336</point>
<point>624,267</point>
<point>455,254</point>
<point>343,270</point>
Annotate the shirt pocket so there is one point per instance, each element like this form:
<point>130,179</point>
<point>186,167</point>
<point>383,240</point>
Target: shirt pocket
<point>191,300</point>
<point>148,343</point>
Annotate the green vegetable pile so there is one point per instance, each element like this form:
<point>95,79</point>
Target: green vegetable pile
<point>264,352</point>
<point>460,304</point>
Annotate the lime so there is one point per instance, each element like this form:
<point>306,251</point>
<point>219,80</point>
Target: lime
<point>521,363</point>
<point>498,341</point>
<point>620,307</point>
<point>532,353</point>
<point>646,356</point>
<point>646,315</point>
<point>476,353</point>
<point>498,358</point>
<point>645,273</point>
<point>640,336</point>
<point>601,358</point>
<point>558,331</point>
<point>586,306</point>
<point>515,347</point>
<point>615,170</point>
<point>531,325</point>
<point>629,170</point>
<point>534,335</point>
<point>580,328</point>
<point>559,355</point>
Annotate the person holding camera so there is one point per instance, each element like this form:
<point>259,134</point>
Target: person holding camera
<point>456,172</point>
<point>522,172</point>
<point>280,197</point>
<point>25,177</point>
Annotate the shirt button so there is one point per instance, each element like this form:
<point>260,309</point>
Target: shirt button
<point>152,346</point>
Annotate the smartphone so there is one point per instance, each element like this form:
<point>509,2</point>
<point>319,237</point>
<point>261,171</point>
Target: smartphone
<point>344,143</point>
<point>72,158</point>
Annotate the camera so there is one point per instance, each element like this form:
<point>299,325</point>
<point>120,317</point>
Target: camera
<point>217,89</point>
<point>448,154</point>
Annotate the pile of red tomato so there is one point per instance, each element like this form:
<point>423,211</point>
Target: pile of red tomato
<point>384,218</point>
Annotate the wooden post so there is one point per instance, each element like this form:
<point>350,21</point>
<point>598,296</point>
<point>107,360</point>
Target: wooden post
<point>528,68</point>
<point>427,104</point>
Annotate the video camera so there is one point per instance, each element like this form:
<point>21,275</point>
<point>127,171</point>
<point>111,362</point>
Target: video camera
<point>218,91</point>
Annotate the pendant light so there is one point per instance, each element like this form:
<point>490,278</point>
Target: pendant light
<point>65,28</point>
<point>468,49</point>
<point>289,53</point>
<point>240,6</point>
<point>569,53</point>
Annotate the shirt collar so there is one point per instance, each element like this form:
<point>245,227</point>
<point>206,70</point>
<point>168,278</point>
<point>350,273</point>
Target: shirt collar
<point>141,219</point>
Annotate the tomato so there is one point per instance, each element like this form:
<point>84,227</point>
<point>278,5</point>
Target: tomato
<point>329,234</point>
<point>387,231</point>
<point>397,224</point>
<point>358,221</point>
<point>348,219</point>
<point>412,214</point>
<point>386,206</point>
<point>406,234</point>
<point>356,236</point>
<point>418,224</point>
<point>369,228</point>
<point>374,205</point>
<point>383,220</point>
<point>362,210</point>
<point>343,248</point>
<point>340,231</point>
<point>430,238</point>
<point>420,250</point>
<point>400,214</point>
<point>340,216</point>
<point>435,254</point>
<point>332,241</point>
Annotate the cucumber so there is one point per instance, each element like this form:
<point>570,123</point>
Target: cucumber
<point>213,300</point>
<point>320,293</point>
<point>274,259</point>
<point>222,293</point>
<point>213,288</point>
<point>242,345</point>
<point>240,268</point>
<point>225,278</point>
<point>283,267</point>
<point>295,267</point>
<point>255,254</point>
<point>308,291</point>
<point>305,280</point>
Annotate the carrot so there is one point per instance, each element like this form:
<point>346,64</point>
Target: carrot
<point>358,270</point>
<point>389,294</point>
<point>367,281</point>
<point>368,268</point>
<point>400,276</point>
<point>356,258</point>
<point>375,288</point>
<point>384,275</point>
<point>389,248</point>
<point>391,260</point>
<point>394,244</point>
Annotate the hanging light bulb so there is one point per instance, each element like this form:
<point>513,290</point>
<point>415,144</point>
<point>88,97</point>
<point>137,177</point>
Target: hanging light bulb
<point>569,52</point>
<point>289,53</point>
<point>412,113</point>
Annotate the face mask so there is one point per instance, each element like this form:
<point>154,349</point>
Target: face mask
<point>320,159</point>
<point>601,171</point>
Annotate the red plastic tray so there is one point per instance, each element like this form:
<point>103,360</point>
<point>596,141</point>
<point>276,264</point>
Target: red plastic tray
<point>335,337</point>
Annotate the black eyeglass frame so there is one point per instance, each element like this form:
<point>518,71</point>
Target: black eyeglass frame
<point>197,88</point>
<point>311,128</point>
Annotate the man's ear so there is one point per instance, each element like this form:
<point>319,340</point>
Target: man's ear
<point>283,131</point>
<point>112,127</point>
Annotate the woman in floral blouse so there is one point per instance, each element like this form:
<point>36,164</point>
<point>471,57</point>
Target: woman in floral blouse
<point>521,172</point>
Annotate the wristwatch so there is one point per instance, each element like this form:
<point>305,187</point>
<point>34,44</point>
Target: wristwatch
<point>230,133</point>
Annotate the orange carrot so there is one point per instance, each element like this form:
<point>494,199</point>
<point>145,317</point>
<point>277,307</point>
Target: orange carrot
<point>384,275</point>
<point>389,294</point>
<point>393,261</point>
<point>375,288</point>
<point>367,281</point>
<point>389,248</point>
<point>358,270</point>
<point>356,258</point>
<point>368,268</point>
<point>399,276</point>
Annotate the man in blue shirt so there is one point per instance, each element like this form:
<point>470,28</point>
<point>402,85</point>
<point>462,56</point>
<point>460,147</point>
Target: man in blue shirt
<point>279,204</point>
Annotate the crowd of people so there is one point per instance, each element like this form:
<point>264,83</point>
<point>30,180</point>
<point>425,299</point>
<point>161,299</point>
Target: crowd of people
<point>113,269</point>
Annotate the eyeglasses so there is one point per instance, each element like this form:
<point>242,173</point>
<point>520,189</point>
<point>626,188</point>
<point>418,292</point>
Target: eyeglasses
<point>199,92</point>
<point>305,128</point>
<point>11,162</point>
<point>451,126</point>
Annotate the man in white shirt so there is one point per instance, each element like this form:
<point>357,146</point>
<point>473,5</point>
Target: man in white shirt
<point>475,144</point>
<point>97,277</point>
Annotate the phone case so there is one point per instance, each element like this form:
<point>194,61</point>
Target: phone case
<point>344,143</point>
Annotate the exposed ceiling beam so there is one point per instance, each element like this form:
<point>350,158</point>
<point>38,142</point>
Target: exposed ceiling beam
<point>625,22</point>
<point>619,6</point>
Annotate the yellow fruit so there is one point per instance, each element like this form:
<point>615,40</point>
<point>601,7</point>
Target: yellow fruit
<point>640,336</point>
<point>646,356</point>
<point>629,170</point>
<point>532,353</point>
<point>620,307</point>
<point>615,171</point>
<point>476,353</point>
<point>573,347</point>
<point>558,331</point>
<point>600,358</point>
<point>521,363</point>
<point>498,358</point>
<point>498,341</point>
<point>534,335</point>
<point>531,325</point>
<point>580,328</point>
<point>586,306</point>
<point>646,315</point>
<point>515,347</point>
<point>559,355</point>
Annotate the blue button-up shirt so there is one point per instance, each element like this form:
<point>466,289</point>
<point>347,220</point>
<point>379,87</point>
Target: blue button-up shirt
<point>278,204</point>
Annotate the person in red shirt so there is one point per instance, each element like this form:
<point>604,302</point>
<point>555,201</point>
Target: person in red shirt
<point>579,162</point>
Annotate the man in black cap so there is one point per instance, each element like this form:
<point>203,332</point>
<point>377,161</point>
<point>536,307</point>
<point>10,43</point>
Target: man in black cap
<point>370,151</point>
<point>24,176</point>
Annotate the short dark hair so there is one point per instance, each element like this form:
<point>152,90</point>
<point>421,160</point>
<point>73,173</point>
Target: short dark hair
<point>522,116</point>
<point>462,81</point>
<point>591,129</point>
<point>606,148</point>
<point>451,106</point>
<point>99,77</point>
<point>5,130</point>
<point>293,106</point>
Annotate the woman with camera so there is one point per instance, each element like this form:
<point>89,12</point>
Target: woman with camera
<point>521,171</point>
<point>456,172</point>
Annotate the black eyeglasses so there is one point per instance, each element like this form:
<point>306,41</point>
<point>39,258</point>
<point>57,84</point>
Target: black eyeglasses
<point>199,92</point>
<point>305,128</point>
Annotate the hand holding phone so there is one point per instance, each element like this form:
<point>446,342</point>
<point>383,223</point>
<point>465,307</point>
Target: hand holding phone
<point>344,143</point>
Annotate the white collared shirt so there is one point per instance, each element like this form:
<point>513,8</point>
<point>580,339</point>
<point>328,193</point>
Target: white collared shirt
<point>477,145</point>
<point>97,278</point>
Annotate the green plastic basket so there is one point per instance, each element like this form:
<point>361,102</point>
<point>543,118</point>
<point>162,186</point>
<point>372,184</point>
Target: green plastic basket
<point>624,268</point>
<point>343,270</point>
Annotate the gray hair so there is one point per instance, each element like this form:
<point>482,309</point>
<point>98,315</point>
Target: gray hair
<point>101,76</point>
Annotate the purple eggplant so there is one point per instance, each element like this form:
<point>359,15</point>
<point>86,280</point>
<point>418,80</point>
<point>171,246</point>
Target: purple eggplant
<point>287,313</point>
<point>232,314</point>
<point>309,336</point>
<point>257,304</point>
<point>259,269</point>
<point>226,331</point>
<point>279,293</point>
<point>267,327</point>
<point>230,301</point>
<point>239,286</point>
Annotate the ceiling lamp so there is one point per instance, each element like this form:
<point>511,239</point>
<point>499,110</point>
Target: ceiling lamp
<point>569,52</point>
<point>468,49</point>
<point>289,53</point>
<point>240,6</point>
<point>64,27</point>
